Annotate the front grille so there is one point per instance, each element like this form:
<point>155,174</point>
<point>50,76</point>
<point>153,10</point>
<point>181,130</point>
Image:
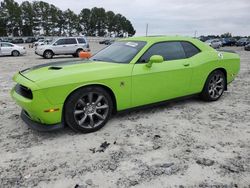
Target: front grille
<point>24,91</point>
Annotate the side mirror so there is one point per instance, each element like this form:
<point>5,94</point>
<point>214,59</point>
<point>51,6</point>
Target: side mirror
<point>154,59</point>
<point>85,55</point>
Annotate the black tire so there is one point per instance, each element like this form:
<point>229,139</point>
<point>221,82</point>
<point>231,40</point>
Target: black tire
<point>78,52</point>
<point>74,55</point>
<point>15,53</point>
<point>48,54</point>
<point>88,109</point>
<point>214,87</point>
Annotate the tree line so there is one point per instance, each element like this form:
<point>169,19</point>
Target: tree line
<point>29,19</point>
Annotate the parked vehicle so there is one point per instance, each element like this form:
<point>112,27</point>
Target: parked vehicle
<point>63,46</point>
<point>228,42</point>
<point>40,41</point>
<point>107,41</point>
<point>7,39</point>
<point>247,47</point>
<point>46,41</point>
<point>214,43</point>
<point>129,73</point>
<point>11,49</point>
<point>242,42</point>
<point>17,41</point>
<point>30,40</point>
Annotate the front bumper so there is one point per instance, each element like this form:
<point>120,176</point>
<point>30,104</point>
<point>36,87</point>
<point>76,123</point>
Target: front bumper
<point>39,126</point>
<point>39,52</point>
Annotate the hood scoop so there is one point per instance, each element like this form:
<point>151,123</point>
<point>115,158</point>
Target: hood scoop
<point>55,68</point>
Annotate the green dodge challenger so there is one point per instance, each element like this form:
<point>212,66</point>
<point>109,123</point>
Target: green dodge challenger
<point>132,72</point>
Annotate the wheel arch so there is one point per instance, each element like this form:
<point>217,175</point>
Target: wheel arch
<point>108,89</point>
<point>14,51</point>
<point>48,50</point>
<point>224,72</point>
<point>79,49</point>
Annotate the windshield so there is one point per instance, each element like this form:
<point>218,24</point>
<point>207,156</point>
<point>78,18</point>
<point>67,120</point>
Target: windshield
<point>210,40</point>
<point>119,52</point>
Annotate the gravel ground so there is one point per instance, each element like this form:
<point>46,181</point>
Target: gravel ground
<point>184,143</point>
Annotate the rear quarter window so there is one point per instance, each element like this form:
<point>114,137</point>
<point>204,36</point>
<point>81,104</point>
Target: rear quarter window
<point>81,40</point>
<point>70,41</point>
<point>190,49</point>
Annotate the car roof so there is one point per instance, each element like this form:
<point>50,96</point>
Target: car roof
<point>160,38</point>
<point>155,39</point>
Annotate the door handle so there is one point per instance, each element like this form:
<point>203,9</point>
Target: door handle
<point>186,64</point>
<point>64,46</point>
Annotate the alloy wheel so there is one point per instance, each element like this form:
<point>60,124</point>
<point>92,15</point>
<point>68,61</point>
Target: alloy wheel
<point>216,86</point>
<point>15,53</point>
<point>48,54</point>
<point>91,110</point>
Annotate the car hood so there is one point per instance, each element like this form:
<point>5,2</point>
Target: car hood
<point>70,69</point>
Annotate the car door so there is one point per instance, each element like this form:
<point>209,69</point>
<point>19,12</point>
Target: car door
<point>59,47</point>
<point>166,80</point>
<point>6,48</point>
<point>71,45</point>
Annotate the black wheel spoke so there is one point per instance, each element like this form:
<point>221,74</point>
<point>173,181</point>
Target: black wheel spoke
<point>91,120</point>
<point>78,112</point>
<point>83,119</point>
<point>90,97</point>
<point>100,97</point>
<point>105,106</point>
<point>99,116</point>
<point>81,102</point>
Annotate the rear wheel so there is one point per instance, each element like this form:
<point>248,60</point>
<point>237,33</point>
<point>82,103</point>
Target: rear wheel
<point>15,53</point>
<point>48,54</point>
<point>78,52</point>
<point>88,109</point>
<point>214,86</point>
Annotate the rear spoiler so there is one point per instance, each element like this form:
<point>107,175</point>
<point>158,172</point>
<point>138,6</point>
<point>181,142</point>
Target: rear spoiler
<point>231,51</point>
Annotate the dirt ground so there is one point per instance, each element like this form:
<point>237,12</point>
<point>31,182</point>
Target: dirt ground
<point>181,144</point>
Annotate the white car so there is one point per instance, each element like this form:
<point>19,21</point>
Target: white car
<point>214,43</point>
<point>40,41</point>
<point>7,48</point>
<point>63,46</point>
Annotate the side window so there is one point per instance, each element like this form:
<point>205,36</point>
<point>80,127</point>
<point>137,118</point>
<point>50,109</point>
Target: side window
<point>81,40</point>
<point>6,45</point>
<point>70,41</point>
<point>60,42</point>
<point>190,49</point>
<point>169,51</point>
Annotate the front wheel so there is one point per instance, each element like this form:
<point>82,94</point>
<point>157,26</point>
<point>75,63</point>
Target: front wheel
<point>48,54</point>
<point>214,86</point>
<point>15,53</point>
<point>88,109</point>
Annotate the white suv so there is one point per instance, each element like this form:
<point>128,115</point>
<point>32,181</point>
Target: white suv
<point>63,46</point>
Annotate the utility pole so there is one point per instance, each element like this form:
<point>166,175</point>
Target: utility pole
<point>195,33</point>
<point>146,29</point>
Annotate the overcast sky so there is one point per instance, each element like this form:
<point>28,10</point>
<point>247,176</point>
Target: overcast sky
<point>174,17</point>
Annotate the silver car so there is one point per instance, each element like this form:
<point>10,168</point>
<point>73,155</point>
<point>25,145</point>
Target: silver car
<point>215,43</point>
<point>7,48</point>
<point>63,46</point>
